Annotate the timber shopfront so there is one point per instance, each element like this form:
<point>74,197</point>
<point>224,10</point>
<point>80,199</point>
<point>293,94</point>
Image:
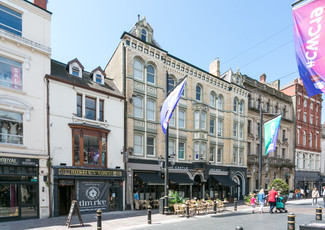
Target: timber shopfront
<point>93,189</point>
<point>18,188</point>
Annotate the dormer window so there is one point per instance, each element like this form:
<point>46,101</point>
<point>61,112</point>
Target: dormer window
<point>98,75</point>
<point>75,68</point>
<point>144,35</point>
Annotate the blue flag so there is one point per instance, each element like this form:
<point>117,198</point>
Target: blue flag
<point>271,130</point>
<point>170,104</point>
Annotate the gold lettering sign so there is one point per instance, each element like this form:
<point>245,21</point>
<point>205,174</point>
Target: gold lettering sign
<point>88,172</point>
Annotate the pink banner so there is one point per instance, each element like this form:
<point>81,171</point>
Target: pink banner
<point>309,37</point>
<point>15,77</point>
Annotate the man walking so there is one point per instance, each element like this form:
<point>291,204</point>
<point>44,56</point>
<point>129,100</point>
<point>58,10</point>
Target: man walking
<point>272,195</point>
<point>137,200</point>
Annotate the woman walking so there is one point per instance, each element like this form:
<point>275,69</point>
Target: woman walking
<point>261,200</point>
<point>315,195</point>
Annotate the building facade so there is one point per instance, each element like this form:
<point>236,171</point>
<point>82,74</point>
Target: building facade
<point>207,132</point>
<point>24,60</point>
<point>308,135</point>
<point>280,163</point>
<point>322,157</point>
<point>86,138</point>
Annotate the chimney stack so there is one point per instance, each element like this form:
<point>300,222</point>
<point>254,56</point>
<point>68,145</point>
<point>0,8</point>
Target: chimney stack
<point>41,3</point>
<point>263,78</point>
<point>214,67</point>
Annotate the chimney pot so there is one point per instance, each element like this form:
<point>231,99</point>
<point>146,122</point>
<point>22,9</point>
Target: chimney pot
<point>41,3</point>
<point>214,67</point>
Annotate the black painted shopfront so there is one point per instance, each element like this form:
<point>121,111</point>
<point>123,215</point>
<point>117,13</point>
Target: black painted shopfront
<point>93,188</point>
<point>19,188</point>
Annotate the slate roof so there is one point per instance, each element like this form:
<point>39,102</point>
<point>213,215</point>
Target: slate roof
<point>59,71</point>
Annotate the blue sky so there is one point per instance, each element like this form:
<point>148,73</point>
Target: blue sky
<point>254,36</point>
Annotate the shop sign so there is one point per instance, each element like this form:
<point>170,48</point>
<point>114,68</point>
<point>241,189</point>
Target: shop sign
<point>92,196</point>
<point>215,170</point>
<point>180,167</point>
<point>18,161</point>
<point>89,172</point>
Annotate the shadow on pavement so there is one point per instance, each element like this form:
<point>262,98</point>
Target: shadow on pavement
<point>231,214</point>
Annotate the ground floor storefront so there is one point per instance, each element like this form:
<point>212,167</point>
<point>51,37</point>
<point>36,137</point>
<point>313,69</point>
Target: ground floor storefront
<point>92,188</point>
<point>193,181</point>
<point>308,180</point>
<point>21,189</point>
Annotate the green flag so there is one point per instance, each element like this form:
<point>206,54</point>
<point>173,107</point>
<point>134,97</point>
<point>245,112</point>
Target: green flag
<point>271,130</point>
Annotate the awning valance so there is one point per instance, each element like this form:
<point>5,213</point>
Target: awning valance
<point>151,178</point>
<point>225,181</point>
<point>180,179</point>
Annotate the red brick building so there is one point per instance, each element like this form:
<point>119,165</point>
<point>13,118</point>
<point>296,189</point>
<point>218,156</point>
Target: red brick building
<point>308,112</point>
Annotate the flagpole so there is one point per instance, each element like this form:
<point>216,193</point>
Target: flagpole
<point>166,157</point>
<point>260,150</point>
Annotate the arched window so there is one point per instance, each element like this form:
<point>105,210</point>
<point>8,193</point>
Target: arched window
<point>235,104</point>
<point>220,102</point>
<point>138,107</point>
<point>151,74</point>
<point>310,140</point>
<point>198,93</point>
<point>144,35</point>
<point>171,83</point>
<point>304,138</point>
<point>212,99</point>
<point>137,69</point>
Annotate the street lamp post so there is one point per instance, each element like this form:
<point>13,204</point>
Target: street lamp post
<point>166,158</point>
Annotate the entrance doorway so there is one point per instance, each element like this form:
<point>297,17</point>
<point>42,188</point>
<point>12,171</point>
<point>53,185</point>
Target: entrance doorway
<point>65,199</point>
<point>197,189</point>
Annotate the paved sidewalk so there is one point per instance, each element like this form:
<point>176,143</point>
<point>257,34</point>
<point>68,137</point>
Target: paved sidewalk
<point>111,220</point>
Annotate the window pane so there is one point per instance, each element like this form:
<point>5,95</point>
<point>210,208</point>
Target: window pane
<point>181,150</point>
<point>91,150</point>
<point>171,148</point>
<point>212,100</point>
<point>10,20</point>
<point>104,149</point>
<point>98,78</point>
<point>90,107</point>
<point>197,120</point>
<point>150,146</point>
<point>220,102</point>
<point>11,127</point>
<point>203,121</point>
<point>197,150</point>
<point>219,156</point>
<point>212,122</point>
<point>101,110</point>
<point>138,143</point>
<point>150,110</point>
<point>137,107</point>
<point>138,69</point>
<point>212,150</point>
<point>29,198</point>
<point>8,200</point>
<point>150,74</point>
<point>79,105</point>
<point>171,83</point>
<point>198,93</point>
<point>172,119</point>
<point>76,149</point>
<point>10,73</point>
<point>181,119</point>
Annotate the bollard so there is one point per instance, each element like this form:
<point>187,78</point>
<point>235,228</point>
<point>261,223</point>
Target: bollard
<point>187,210</point>
<point>239,228</point>
<point>99,219</point>
<point>149,214</point>
<point>215,207</point>
<point>291,221</point>
<point>235,204</point>
<point>318,213</point>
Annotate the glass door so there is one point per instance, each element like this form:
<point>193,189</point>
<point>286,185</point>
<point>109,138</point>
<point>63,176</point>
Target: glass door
<point>28,201</point>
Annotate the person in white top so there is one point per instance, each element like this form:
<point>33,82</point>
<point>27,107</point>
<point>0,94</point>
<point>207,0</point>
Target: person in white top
<point>302,193</point>
<point>323,193</point>
<point>315,195</point>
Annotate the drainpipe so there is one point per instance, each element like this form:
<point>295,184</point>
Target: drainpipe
<point>48,164</point>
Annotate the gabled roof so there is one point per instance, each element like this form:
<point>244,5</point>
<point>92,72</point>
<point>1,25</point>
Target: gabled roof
<point>60,73</point>
<point>100,70</point>
<point>76,60</point>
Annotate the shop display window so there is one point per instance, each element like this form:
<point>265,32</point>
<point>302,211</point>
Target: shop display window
<point>8,200</point>
<point>11,127</point>
<point>10,73</point>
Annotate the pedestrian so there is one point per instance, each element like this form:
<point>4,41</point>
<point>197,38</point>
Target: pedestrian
<point>302,193</point>
<point>137,200</point>
<point>150,201</point>
<point>323,193</point>
<point>315,195</point>
<point>253,202</point>
<point>261,200</point>
<point>307,192</point>
<point>272,195</point>
<point>298,193</point>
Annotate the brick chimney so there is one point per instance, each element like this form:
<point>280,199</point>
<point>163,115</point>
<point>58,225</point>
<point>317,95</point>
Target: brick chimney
<point>41,3</point>
<point>263,78</point>
<point>214,67</point>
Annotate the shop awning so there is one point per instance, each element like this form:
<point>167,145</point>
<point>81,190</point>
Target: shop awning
<point>151,178</point>
<point>225,181</point>
<point>180,179</point>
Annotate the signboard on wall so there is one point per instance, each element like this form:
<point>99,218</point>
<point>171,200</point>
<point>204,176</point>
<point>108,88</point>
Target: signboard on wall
<point>92,195</point>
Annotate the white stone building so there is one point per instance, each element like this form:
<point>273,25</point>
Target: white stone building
<point>86,117</point>
<point>24,61</point>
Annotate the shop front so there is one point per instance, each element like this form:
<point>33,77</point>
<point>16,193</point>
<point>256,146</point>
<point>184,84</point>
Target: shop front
<point>307,180</point>
<point>93,189</point>
<point>19,188</point>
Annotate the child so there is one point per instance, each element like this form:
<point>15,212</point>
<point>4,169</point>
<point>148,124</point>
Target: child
<point>253,202</point>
